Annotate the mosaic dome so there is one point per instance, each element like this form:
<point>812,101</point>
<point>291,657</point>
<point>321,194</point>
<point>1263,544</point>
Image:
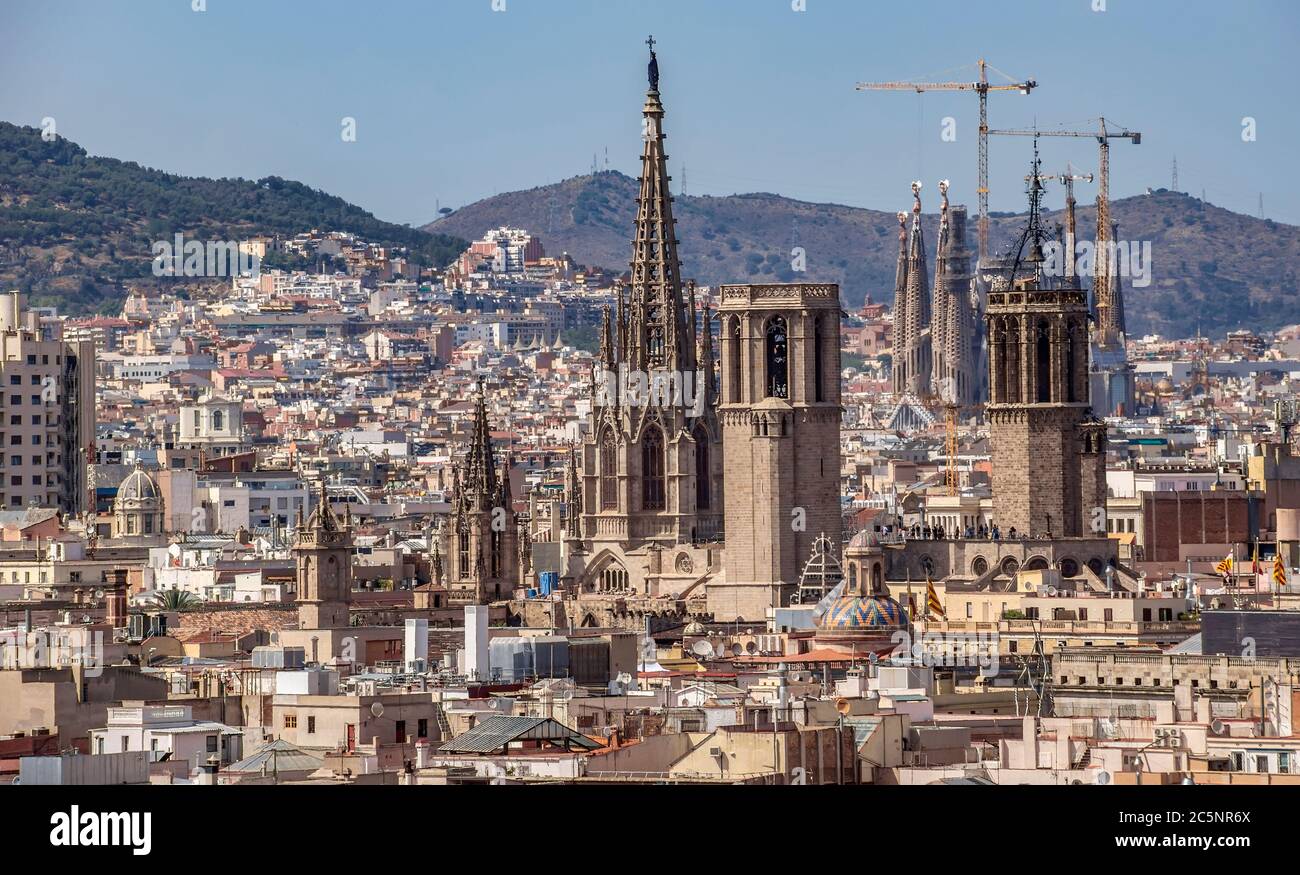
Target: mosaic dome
<point>864,612</point>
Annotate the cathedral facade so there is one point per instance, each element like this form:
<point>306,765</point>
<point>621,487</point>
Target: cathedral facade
<point>646,500</point>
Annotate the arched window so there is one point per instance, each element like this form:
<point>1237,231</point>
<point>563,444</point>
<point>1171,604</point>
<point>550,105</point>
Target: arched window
<point>652,469</point>
<point>608,472</point>
<point>703,478</point>
<point>1043,367</point>
<point>731,337</point>
<point>463,567</point>
<point>1011,356</point>
<point>218,420</point>
<point>1069,364</point>
<point>778,359</point>
<point>818,393</point>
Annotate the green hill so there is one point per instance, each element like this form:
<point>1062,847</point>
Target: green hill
<point>75,229</point>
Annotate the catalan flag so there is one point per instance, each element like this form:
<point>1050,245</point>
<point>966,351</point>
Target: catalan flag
<point>1279,571</point>
<point>1224,567</point>
<point>932,603</point>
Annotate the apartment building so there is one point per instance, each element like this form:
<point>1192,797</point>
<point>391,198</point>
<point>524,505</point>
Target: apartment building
<point>47,411</point>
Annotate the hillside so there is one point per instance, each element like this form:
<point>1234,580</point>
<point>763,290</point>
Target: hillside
<point>74,228</point>
<point>1212,269</point>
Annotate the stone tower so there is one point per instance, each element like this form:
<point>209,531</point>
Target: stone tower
<point>780,413</point>
<point>912,342</point>
<point>482,552</point>
<point>651,469</point>
<point>322,548</point>
<point>1048,451</point>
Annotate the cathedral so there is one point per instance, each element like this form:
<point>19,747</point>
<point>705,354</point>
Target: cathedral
<point>646,508</point>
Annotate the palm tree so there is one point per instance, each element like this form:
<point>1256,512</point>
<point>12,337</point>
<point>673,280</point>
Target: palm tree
<point>176,600</point>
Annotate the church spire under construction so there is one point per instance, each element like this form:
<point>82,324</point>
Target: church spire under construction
<point>912,350</point>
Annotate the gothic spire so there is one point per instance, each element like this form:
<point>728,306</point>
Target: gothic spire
<point>480,473</point>
<point>1116,295</point>
<point>658,316</point>
<point>901,320</point>
<point>573,495</point>
<point>912,363</point>
<point>606,340</point>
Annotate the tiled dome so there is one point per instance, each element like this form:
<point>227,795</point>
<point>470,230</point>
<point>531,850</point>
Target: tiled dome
<point>864,612</point>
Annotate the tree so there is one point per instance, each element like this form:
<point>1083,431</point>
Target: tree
<point>176,600</point>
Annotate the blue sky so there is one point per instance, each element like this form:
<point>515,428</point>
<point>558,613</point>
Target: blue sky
<point>454,101</point>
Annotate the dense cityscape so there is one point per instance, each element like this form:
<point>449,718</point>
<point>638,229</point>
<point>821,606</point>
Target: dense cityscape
<point>313,508</point>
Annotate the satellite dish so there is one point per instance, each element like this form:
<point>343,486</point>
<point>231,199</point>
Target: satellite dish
<point>703,649</point>
<point>843,706</point>
<point>1218,727</point>
<point>377,709</point>
<point>1102,778</point>
<point>494,704</point>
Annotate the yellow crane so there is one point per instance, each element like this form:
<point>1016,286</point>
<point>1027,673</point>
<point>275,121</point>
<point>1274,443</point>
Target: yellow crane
<point>982,88</point>
<point>1101,278</point>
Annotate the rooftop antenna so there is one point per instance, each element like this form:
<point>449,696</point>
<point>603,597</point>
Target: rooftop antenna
<point>1174,186</point>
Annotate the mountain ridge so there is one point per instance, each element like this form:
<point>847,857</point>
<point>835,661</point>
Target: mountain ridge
<point>1213,270</point>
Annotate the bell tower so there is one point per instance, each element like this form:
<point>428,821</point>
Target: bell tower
<point>322,548</point>
<point>1048,450</point>
<point>780,414</point>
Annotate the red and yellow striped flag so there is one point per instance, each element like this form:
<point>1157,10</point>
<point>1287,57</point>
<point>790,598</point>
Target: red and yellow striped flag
<point>932,603</point>
<point>1224,567</point>
<point>1279,571</point>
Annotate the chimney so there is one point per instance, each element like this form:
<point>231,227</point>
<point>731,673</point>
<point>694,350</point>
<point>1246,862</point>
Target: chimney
<point>116,613</point>
<point>207,775</point>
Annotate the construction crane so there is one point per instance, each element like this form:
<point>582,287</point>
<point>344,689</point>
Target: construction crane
<point>982,88</point>
<point>1101,278</point>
